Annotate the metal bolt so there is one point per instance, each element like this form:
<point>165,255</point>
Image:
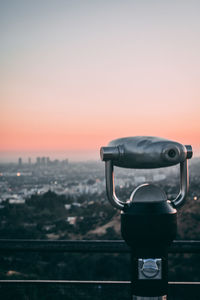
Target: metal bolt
<point>150,268</point>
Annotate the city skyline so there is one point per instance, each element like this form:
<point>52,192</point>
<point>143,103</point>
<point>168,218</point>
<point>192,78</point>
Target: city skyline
<point>74,156</point>
<point>76,75</point>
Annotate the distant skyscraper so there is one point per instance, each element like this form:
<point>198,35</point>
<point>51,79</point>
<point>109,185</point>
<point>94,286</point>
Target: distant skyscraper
<point>38,161</point>
<point>29,161</point>
<point>43,161</point>
<point>20,162</point>
<point>65,162</point>
<point>48,161</point>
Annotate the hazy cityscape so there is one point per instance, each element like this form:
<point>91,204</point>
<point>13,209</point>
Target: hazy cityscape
<point>20,180</point>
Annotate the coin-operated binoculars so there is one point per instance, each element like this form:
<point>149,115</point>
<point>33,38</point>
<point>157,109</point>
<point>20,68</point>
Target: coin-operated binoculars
<point>148,218</point>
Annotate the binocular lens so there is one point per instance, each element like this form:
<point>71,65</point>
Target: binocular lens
<point>171,153</point>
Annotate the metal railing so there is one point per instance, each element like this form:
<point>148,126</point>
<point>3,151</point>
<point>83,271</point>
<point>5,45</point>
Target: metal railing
<point>88,246</point>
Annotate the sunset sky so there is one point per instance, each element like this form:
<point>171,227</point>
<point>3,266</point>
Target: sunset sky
<point>76,74</point>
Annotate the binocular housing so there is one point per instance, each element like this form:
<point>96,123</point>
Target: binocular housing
<point>143,152</point>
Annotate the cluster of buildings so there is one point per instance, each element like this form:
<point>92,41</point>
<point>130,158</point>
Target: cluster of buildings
<point>19,181</point>
<point>43,161</point>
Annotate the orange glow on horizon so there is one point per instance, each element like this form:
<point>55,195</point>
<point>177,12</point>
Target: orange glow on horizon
<point>87,140</point>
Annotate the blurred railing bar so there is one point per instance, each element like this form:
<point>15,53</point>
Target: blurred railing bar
<point>84,282</point>
<point>87,246</point>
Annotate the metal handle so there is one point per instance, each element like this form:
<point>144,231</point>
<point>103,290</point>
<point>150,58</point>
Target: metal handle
<point>184,185</point>
<point>110,186</point>
<point>117,203</point>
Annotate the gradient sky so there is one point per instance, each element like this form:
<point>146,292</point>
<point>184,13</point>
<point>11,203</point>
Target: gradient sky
<point>76,74</point>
